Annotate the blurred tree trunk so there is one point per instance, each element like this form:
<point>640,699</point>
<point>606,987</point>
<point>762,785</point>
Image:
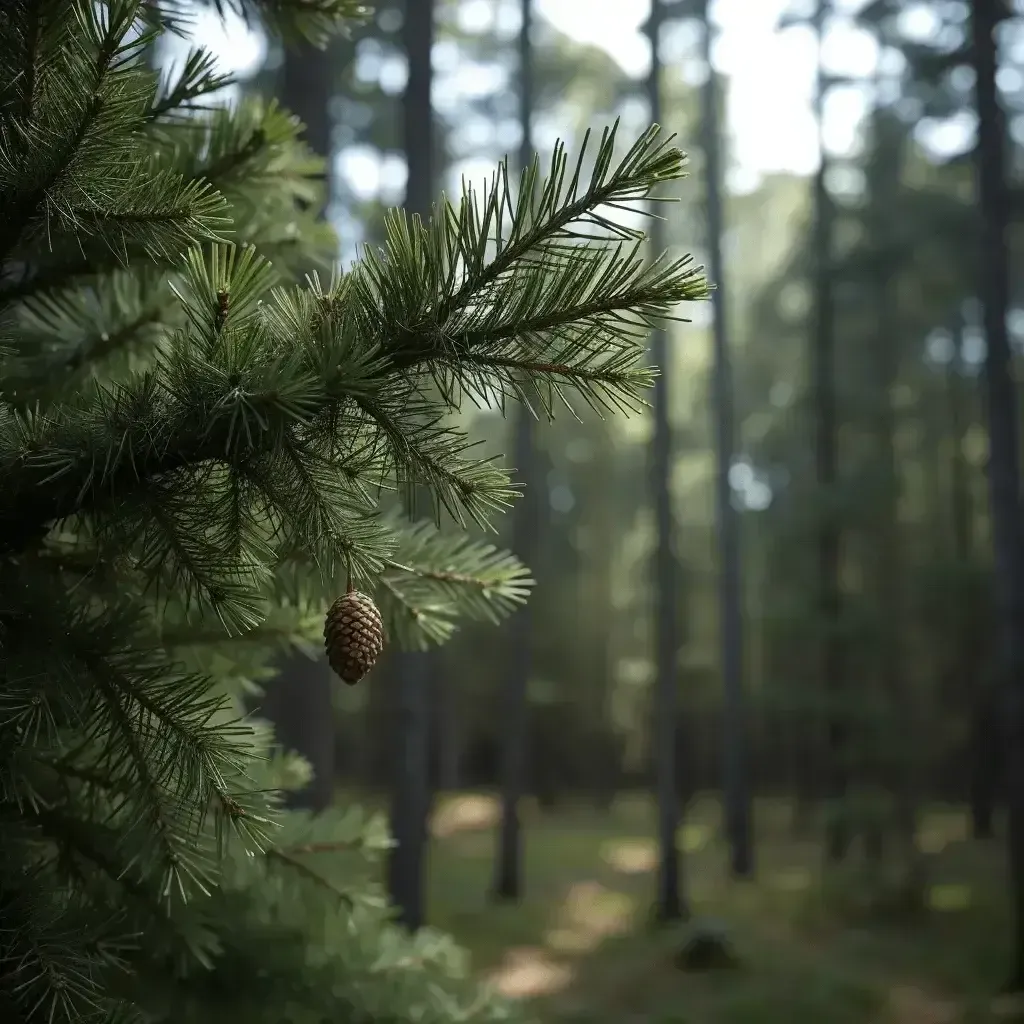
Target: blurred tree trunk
<point>670,905</point>
<point>822,361</point>
<point>984,759</point>
<point>1004,442</point>
<point>525,530</point>
<point>447,734</point>
<point>970,641</point>
<point>889,569</point>
<point>735,785</point>
<point>605,756</point>
<point>376,756</point>
<point>418,672</point>
<point>804,720</point>
<point>298,700</point>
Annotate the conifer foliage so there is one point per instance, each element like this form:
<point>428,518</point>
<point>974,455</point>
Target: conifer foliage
<point>192,456</point>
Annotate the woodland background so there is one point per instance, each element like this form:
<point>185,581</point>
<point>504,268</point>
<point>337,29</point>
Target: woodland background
<point>786,565</point>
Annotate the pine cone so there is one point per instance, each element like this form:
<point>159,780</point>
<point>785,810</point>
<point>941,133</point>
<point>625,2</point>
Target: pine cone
<point>353,636</point>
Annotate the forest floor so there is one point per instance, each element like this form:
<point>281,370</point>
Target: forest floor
<point>579,945</point>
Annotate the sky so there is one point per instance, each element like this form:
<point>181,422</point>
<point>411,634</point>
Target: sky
<point>770,72</point>
<point>771,76</point>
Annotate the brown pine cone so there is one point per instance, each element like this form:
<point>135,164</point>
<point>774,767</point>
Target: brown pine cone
<point>353,636</point>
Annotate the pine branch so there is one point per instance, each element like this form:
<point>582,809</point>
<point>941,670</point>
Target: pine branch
<point>435,580</point>
<point>175,103</point>
<point>317,21</point>
<point>64,338</point>
<point>278,381</point>
<point>290,633</point>
<point>496,287</point>
<point>82,130</point>
<point>317,849</point>
<point>294,863</point>
<point>62,956</point>
<point>432,581</point>
<point>249,154</point>
<point>426,453</point>
<point>169,751</point>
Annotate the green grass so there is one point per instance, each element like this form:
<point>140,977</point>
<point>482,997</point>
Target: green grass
<point>579,945</point>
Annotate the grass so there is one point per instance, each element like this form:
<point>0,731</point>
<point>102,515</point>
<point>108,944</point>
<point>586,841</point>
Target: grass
<point>579,945</point>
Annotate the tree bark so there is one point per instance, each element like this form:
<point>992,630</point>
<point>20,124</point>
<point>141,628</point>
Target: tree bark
<point>899,779</point>
<point>508,879</point>
<point>982,753</point>
<point>298,701</point>
<point>829,541</point>
<point>670,905</point>
<point>735,784</point>
<point>417,671</point>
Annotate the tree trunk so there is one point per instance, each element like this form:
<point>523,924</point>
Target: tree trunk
<point>804,732</point>
<point>508,880</point>
<point>826,459</point>
<point>447,737</point>
<point>735,785</point>
<point>298,700</point>
<point>888,569</point>
<point>670,905</point>
<point>982,754</point>
<point>984,764</point>
<point>1004,454</point>
<point>597,600</point>
<point>417,671</point>
<point>376,756</point>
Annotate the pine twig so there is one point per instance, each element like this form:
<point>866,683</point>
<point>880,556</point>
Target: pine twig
<point>292,861</point>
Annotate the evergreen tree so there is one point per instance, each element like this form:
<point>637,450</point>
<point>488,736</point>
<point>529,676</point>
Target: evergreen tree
<point>191,455</point>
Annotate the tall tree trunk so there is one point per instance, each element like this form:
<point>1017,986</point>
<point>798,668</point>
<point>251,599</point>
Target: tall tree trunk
<point>826,459</point>
<point>982,753</point>
<point>736,794</point>
<point>447,734</point>
<point>378,741</point>
<point>298,700</point>
<point>605,520</point>
<point>805,746</point>
<point>888,567</point>
<point>525,526</point>
<point>670,905</point>
<point>984,761</point>
<point>417,671</point>
<point>1004,454</point>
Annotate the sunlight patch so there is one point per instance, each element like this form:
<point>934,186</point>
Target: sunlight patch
<point>595,906</point>
<point>570,941</point>
<point>1010,1006</point>
<point>463,813</point>
<point>911,1005</point>
<point>693,838</point>
<point>792,880</point>
<point>472,844</point>
<point>949,897</point>
<point>940,830</point>
<point>528,972</point>
<point>590,914</point>
<point>630,856</point>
